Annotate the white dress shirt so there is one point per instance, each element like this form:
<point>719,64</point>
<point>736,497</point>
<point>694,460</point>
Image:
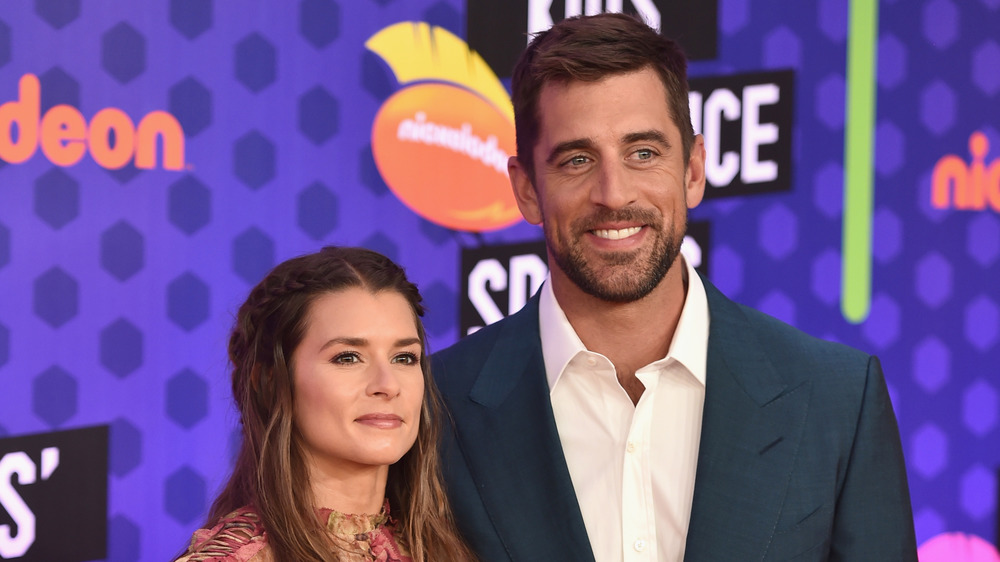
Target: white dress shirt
<point>632,466</point>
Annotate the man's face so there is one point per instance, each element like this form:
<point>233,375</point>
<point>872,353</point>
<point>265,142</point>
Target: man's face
<point>611,188</point>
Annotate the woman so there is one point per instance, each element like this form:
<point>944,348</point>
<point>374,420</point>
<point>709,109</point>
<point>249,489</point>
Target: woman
<point>339,415</point>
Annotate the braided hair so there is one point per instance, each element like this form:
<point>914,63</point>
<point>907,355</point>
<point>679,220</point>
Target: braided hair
<point>270,472</point>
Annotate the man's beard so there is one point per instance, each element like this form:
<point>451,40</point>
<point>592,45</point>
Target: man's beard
<point>632,275</point>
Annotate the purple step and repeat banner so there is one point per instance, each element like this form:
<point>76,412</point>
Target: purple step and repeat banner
<point>158,157</point>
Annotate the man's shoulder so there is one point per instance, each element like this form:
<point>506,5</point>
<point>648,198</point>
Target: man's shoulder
<point>791,346</point>
<point>476,346</point>
<point>471,346</point>
<point>453,365</point>
<point>484,337</point>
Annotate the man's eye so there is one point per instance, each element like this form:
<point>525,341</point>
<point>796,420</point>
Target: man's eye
<point>644,154</point>
<point>406,359</point>
<point>347,358</point>
<point>578,161</point>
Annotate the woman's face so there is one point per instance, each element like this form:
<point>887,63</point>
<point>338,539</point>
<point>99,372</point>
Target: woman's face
<point>357,380</point>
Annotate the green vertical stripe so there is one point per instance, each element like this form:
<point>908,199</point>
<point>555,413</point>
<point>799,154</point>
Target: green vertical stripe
<point>859,195</point>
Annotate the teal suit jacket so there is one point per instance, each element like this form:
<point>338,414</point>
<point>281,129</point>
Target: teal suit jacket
<point>800,457</point>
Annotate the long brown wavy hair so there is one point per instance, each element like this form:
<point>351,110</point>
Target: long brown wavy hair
<point>270,473</point>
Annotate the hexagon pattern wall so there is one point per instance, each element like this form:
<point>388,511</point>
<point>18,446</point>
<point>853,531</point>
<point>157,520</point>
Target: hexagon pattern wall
<point>119,286</point>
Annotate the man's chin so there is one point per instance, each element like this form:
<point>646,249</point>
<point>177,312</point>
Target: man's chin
<point>605,258</point>
<point>617,284</point>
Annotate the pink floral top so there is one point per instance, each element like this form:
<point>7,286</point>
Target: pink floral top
<point>239,537</point>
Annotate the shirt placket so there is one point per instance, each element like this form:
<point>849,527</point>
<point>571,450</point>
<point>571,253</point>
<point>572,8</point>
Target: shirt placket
<point>638,519</point>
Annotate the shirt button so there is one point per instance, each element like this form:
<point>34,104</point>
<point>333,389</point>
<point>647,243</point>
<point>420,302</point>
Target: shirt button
<point>639,545</point>
<point>630,448</point>
<point>591,361</point>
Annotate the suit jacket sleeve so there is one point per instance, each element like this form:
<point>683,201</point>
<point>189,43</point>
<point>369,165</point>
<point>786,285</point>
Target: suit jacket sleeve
<point>800,457</point>
<point>874,520</point>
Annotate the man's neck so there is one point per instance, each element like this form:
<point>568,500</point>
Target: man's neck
<point>632,334</point>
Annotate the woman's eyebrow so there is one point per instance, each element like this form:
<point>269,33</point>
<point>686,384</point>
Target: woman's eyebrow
<point>352,342</point>
<point>361,342</point>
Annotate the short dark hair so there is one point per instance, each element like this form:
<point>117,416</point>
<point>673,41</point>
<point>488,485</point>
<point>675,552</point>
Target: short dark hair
<point>588,49</point>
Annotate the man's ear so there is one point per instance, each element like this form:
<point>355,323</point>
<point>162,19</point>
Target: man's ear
<point>694,177</point>
<point>524,191</point>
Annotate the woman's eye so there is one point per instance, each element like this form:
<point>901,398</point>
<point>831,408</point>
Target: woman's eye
<point>347,358</point>
<point>406,359</point>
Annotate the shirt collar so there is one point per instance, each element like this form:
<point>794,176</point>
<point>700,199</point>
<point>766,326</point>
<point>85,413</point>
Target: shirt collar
<point>560,343</point>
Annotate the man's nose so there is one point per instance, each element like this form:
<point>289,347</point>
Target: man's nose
<point>612,187</point>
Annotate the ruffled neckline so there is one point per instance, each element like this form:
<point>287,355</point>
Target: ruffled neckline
<point>353,526</point>
<point>369,535</point>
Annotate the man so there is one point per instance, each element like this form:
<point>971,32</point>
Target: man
<point>630,411</point>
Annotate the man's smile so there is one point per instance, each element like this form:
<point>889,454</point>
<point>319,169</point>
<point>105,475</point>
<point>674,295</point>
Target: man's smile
<point>616,234</point>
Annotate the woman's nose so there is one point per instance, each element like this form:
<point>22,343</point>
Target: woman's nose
<point>383,381</point>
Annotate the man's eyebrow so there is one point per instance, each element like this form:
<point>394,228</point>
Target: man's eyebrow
<point>568,146</point>
<point>651,135</point>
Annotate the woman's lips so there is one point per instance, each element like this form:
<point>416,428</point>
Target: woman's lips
<point>380,421</point>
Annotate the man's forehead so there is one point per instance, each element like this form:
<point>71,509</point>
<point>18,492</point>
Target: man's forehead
<point>574,108</point>
<point>554,89</point>
<point>563,83</point>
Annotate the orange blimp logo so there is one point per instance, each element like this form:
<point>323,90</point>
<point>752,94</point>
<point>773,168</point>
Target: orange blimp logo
<point>442,142</point>
<point>64,136</point>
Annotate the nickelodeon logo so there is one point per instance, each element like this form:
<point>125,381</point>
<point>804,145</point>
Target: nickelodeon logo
<point>956,184</point>
<point>442,142</point>
<point>65,136</point>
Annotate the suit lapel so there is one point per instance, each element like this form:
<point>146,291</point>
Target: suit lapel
<point>751,428</point>
<point>510,442</point>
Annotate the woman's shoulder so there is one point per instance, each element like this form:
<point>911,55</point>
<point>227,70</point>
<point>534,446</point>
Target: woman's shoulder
<point>237,537</point>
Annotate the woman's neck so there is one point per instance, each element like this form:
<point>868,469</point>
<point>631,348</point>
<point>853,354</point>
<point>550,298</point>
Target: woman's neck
<point>355,489</point>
